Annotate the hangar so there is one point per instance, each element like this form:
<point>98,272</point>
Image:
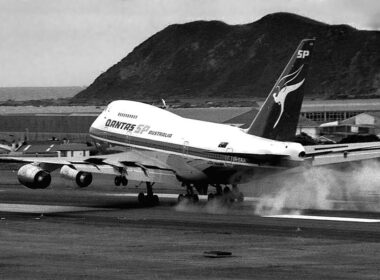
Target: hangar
<point>74,126</point>
<point>323,111</point>
<point>362,124</point>
<point>36,127</point>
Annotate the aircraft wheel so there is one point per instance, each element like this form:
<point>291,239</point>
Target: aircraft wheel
<point>226,190</point>
<point>155,200</point>
<point>240,197</point>
<point>201,188</point>
<point>124,181</point>
<point>141,197</point>
<point>117,181</point>
<point>210,197</point>
<point>219,190</point>
<point>181,197</point>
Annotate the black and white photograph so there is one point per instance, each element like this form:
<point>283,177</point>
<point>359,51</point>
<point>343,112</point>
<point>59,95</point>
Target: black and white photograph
<point>190,139</point>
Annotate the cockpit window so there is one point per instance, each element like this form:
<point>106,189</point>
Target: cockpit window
<point>223,144</point>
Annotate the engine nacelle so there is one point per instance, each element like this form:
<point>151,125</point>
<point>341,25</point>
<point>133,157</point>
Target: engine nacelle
<point>33,177</point>
<point>83,179</point>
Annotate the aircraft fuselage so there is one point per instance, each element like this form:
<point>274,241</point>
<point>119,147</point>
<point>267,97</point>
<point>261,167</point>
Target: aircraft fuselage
<point>210,152</point>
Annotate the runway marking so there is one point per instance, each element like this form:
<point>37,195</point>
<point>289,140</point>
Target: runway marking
<point>325,218</point>
<point>174,196</point>
<point>161,195</point>
<point>35,208</point>
<point>164,195</point>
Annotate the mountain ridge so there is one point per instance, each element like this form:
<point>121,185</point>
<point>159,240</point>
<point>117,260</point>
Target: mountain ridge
<point>213,59</point>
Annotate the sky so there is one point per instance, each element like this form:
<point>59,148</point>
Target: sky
<point>71,42</point>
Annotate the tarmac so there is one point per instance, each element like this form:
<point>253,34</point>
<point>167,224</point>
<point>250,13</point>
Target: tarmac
<point>101,232</point>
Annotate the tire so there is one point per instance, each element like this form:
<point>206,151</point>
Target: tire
<point>226,190</point>
<point>124,181</point>
<point>181,197</point>
<point>210,197</point>
<point>155,200</point>
<point>195,198</point>
<point>117,181</point>
<point>141,198</point>
<point>240,197</point>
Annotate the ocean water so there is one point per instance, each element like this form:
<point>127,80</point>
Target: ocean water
<point>36,93</point>
<point>50,109</point>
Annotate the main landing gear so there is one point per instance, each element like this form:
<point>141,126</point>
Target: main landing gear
<point>189,196</point>
<point>150,198</point>
<point>226,195</point>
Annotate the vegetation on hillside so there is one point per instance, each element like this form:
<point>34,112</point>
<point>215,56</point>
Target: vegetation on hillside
<point>206,59</point>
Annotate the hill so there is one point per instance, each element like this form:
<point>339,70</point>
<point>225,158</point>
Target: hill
<point>213,59</point>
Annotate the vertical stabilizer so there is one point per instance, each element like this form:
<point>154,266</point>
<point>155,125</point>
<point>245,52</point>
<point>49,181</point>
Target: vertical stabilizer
<point>278,117</point>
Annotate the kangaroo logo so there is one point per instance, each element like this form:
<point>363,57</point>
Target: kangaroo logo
<point>281,93</point>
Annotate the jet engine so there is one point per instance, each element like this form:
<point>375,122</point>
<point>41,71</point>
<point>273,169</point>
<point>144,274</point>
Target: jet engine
<point>83,179</point>
<point>33,177</point>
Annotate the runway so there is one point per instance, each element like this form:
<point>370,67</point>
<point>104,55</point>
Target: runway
<point>101,232</point>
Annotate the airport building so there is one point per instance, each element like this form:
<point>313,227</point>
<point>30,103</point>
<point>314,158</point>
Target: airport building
<point>332,119</point>
<point>36,127</point>
<point>361,124</point>
<point>323,111</point>
<point>304,125</point>
<point>308,126</point>
<point>343,117</point>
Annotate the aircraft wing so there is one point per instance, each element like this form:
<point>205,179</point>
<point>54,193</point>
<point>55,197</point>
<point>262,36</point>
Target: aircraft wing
<point>331,154</point>
<point>135,165</point>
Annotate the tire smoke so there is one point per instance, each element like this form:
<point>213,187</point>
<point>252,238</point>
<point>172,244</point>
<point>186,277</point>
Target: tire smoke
<point>211,207</point>
<point>355,187</point>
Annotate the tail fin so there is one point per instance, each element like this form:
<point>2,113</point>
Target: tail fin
<point>278,117</point>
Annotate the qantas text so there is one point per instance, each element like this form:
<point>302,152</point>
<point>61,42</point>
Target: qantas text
<point>120,125</point>
<point>138,129</point>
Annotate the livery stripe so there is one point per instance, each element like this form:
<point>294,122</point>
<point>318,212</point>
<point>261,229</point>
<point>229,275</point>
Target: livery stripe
<point>268,161</point>
<point>128,140</point>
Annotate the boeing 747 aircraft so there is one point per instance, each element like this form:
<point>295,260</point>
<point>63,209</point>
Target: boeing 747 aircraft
<point>159,146</point>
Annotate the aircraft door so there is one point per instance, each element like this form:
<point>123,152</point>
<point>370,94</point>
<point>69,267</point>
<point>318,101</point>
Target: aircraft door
<point>128,138</point>
<point>229,158</point>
